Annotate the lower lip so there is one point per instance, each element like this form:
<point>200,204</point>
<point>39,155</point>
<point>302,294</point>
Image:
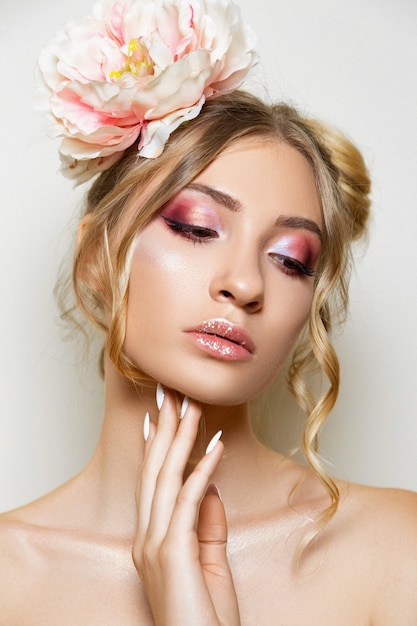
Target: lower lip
<point>219,347</point>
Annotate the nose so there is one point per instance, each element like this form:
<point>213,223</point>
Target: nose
<point>239,280</point>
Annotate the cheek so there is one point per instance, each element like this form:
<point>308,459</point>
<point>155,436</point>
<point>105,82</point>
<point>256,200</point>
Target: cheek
<point>288,318</point>
<point>151,285</point>
<point>151,288</point>
<point>157,269</point>
<point>298,316</point>
<point>160,254</point>
<point>160,290</point>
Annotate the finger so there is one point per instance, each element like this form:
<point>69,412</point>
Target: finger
<point>212,537</point>
<point>212,529</point>
<point>159,440</point>
<point>170,478</point>
<point>162,474</point>
<point>185,513</point>
<point>212,526</point>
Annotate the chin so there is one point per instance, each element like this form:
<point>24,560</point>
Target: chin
<point>218,391</point>
<point>211,382</point>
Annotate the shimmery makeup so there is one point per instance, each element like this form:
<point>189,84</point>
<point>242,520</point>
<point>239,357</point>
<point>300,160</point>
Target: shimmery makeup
<point>190,210</point>
<point>301,248</point>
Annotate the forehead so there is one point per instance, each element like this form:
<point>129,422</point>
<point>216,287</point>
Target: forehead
<point>266,175</point>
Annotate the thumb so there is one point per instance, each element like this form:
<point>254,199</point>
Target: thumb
<point>212,536</point>
<point>212,530</point>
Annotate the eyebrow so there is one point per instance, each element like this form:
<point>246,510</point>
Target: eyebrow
<point>288,221</point>
<point>301,223</point>
<point>218,196</point>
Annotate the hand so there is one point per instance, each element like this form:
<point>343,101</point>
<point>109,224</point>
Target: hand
<point>180,545</point>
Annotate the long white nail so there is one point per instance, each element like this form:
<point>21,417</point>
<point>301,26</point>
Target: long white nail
<point>160,395</point>
<point>184,407</point>
<point>146,425</point>
<point>213,441</point>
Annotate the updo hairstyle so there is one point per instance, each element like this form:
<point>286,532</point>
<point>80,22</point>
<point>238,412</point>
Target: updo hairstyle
<point>123,199</point>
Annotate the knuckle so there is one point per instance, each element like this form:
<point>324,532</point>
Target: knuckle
<point>168,553</point>
<point>157,558</point>
<point>148,553</point>
<point>184,499</point>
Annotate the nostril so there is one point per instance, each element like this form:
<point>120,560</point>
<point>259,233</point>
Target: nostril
<point>252,305</point>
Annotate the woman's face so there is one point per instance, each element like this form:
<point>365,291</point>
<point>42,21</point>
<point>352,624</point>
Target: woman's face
<point>222,279</point>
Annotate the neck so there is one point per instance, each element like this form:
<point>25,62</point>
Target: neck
<point>115,467</point>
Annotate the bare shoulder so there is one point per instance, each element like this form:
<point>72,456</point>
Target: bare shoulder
<point>390,513</point>
<point>59,572</point>
<point>15,538</point>
<point>16,554</point>
<point>33,549</point>
<point>382,527</point>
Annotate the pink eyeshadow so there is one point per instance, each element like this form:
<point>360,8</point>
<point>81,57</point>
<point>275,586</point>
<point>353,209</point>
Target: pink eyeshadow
<point>298,247</point>
<point>192,212</point>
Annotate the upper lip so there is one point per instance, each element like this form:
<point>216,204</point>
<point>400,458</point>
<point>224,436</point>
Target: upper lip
<point>227,330</point>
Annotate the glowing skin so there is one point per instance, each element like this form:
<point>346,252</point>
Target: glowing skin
<point>222,279</point>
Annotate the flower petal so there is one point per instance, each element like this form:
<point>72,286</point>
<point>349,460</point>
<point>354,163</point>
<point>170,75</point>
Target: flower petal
<point>155,134</point>
<point>136,69</point>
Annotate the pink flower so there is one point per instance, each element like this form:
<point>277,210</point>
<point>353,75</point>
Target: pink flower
<point>136,70</point>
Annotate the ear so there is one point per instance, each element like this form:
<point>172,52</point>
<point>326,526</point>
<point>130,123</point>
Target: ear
<point>82,227</point>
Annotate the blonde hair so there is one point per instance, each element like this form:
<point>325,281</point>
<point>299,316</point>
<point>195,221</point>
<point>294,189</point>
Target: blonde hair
<point>128,195</point>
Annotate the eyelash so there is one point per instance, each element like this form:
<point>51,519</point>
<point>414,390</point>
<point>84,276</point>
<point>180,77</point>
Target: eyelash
<point>292,267</point>
<point>198,234</point>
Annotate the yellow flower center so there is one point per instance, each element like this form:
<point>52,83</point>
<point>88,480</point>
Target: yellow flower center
<point>138,61</point>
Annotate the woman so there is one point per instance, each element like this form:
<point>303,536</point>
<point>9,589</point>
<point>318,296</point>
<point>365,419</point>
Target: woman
<point>205,267</point>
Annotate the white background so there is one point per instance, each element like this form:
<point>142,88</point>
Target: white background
<point>353,64</point>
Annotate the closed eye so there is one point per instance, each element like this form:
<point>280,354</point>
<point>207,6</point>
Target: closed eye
<point>291,266</point>
<point>193,232</point>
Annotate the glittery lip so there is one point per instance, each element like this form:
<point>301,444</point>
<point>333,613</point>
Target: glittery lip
<point>223,339</point>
